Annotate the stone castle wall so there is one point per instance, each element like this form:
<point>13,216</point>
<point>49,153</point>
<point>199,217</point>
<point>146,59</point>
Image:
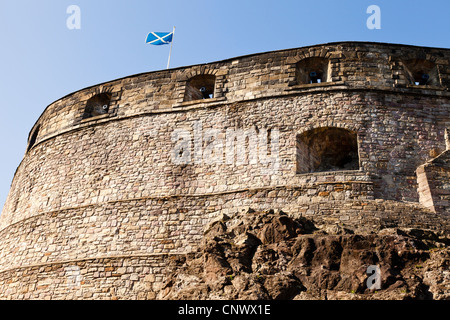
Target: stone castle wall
<point>110,196</point>
<point>434,187</point>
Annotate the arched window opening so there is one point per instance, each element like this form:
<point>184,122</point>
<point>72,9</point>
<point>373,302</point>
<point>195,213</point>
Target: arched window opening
<point>33,138</point>
<point>327,149</point>
<point>421,72</point>
<point>313,70</point>
<point>97,105</point>
<point>200,87</point>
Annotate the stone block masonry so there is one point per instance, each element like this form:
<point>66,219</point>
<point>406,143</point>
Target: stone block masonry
<point>98,203</point>
<point>434,188</point>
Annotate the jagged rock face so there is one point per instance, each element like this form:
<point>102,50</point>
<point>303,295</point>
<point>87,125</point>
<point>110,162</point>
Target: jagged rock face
<point>272,256</point>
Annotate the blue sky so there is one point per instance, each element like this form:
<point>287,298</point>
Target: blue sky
<point>41,60</point>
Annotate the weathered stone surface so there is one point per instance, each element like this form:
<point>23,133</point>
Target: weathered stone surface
<point>315,265</point>
<point>121,176</point>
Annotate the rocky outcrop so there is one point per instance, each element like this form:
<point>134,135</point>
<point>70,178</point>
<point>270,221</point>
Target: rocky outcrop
<point>269,255</point>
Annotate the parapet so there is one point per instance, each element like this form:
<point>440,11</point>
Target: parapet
<point>334,66</point>
<point>125,174</point>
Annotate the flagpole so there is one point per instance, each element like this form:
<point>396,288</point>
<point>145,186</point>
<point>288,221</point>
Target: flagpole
<point>170,52</point>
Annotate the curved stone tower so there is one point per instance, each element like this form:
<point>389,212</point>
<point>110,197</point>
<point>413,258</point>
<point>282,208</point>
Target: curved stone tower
<point>121,176</point>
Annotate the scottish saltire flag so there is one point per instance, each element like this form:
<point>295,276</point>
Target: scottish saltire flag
<point>159,38</point>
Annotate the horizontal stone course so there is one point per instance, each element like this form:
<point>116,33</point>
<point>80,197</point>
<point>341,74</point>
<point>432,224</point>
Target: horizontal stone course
<point>99,204</point>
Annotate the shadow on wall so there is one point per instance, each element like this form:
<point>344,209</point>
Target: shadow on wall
<point>327,149</point>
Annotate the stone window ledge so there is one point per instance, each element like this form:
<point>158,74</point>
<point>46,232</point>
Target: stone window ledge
<point>99,117</point>
<point>314,85</point>
<point>332,173</point>
<point>199,101</point>
<point>426,87</point>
